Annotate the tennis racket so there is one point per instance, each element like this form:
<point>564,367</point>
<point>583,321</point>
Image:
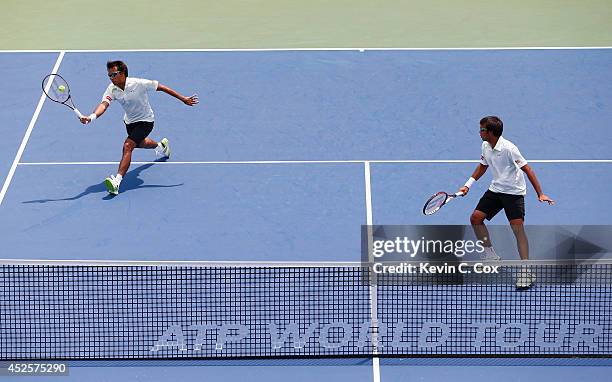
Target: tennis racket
<point>438,200</point>
<point>57,90</point>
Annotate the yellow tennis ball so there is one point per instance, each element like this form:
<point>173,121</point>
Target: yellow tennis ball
<point>61,88</point>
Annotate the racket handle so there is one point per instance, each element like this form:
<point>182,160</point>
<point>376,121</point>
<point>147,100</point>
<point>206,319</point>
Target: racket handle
<point>78,113</point>
<point>459,194</point>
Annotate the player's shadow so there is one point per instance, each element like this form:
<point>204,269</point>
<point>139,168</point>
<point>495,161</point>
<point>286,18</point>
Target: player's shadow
<point>131,181</point>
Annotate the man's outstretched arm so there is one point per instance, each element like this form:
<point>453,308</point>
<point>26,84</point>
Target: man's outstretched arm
<point>536,184</point>
<point>190,101</point>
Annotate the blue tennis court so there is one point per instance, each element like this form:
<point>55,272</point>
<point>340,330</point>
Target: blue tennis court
<point>287,155</point>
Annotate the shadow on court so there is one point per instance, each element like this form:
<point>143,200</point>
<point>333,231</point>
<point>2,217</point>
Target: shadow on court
<point>131,181</point>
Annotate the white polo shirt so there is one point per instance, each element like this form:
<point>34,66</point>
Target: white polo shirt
<point>505,161</point>
<point>134,99</point>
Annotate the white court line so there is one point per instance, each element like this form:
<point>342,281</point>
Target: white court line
<point>368,193</point>
<point>28,132</point>
<point>373,287</point>
<point>181,263</point>
<point>354,161</point>
<point>307,49</point>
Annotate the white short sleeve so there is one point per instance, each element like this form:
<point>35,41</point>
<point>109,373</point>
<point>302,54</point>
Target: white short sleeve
<point>148,84</point>
<point>517,157</point>
<point>108,95</point>
<point>483,160</point>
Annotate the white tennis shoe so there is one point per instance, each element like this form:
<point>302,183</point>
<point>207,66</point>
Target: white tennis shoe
<point>112,185</point>
<point>163,149</point>
<point>489,255</point>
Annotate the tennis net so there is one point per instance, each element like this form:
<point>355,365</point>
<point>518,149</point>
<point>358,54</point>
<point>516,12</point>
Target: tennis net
<point>123,310</point>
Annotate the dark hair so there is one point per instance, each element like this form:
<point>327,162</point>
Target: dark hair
<point>121,66</point>
<point>493,124</point>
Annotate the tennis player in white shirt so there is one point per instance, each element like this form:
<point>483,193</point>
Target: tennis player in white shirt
<point>507,191</point>
<point>132,94</point>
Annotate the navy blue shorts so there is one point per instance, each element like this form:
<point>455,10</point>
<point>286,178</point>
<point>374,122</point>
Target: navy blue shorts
<point>138,131</point>
<point>493,202</point>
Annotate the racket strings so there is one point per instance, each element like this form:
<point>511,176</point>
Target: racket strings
<point>435,203</point>
<point>59,90</point>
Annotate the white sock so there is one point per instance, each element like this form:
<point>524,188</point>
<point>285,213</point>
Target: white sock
<point>119,177</point>
<point>489,251</point>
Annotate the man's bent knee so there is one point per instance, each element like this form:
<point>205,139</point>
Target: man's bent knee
<point>517,222</point>
<point>129,145</point>
<point>477,218</point>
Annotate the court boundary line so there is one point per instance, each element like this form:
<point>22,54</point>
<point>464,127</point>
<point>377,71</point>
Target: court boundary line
<point>359,49</point>
<point>28,132</point>
<point>373,282</point>
<point>178,263</point>
<point>348,161</point>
